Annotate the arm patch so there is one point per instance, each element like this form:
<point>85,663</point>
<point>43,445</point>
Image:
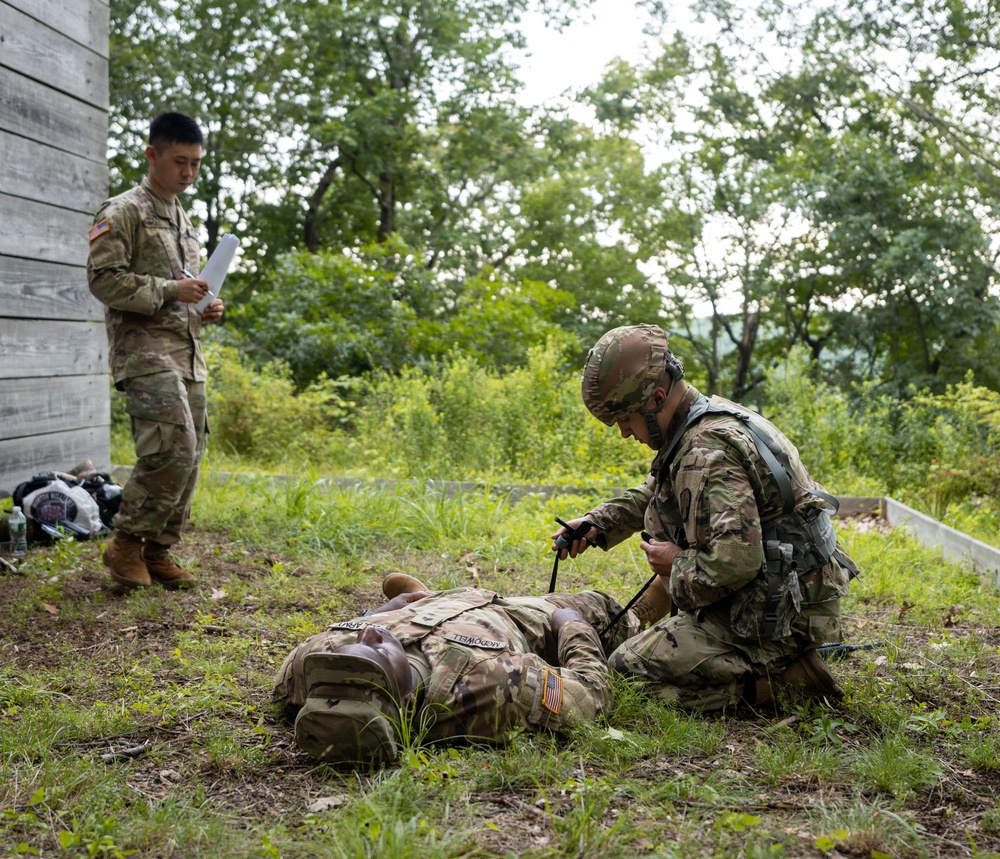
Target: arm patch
<point>99,229</point>
<point>552,697</point>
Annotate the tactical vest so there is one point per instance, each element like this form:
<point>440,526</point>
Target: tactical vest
<point>795,543</point>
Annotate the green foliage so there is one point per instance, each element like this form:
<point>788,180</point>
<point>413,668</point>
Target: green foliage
<point>256,412</point>
<point>380,308</point>
<point>528,425</point>
<point>940,453</point>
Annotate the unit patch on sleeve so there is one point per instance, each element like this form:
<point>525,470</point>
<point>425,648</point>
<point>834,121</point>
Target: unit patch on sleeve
<point>99,229</point>
<point>552,699</point>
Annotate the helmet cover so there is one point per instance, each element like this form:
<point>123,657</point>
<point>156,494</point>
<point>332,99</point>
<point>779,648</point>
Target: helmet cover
<point>623,369</point>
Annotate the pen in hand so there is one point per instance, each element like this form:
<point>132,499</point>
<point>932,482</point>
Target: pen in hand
<point>186,273</point>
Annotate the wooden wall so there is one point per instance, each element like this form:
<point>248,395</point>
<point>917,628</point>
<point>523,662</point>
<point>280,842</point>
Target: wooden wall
<point>54,384</point>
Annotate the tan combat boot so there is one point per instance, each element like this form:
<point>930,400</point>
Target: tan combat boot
<point>395,584</point>
<point>654,604</point>
<point>807,675</point>
<point>163,568</point>
<point>123,557</point>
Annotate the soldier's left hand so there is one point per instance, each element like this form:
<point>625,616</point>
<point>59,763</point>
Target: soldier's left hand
<point>214,311</point>
<point>660,555</point>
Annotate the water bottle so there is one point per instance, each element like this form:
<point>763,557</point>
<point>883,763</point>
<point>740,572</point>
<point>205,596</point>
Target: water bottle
<point>18,526</point>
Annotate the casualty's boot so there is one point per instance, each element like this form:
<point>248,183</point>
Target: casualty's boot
<point>654,604</point>
<point>395,584</point>
<point>123,558</point>
<point>163,568</point>
<point>807,675</point>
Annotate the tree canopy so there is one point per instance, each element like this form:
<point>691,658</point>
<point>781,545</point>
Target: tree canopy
<point>808,175</point>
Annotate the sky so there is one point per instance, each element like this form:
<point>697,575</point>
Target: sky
<point>577,56</point>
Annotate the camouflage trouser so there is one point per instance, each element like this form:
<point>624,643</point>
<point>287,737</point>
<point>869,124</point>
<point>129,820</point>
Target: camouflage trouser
<point>702,665</point>
<point>169,425</point>
<point>532,615</point>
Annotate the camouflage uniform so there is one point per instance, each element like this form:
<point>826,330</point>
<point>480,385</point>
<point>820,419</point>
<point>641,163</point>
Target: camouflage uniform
<point>139,246</point>
<point>488,664</point>
<point>711,501</point>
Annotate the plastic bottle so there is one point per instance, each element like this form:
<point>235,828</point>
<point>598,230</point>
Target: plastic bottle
<point>18,533</point>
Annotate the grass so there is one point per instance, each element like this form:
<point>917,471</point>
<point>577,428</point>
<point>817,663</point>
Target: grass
<point>142,725</point>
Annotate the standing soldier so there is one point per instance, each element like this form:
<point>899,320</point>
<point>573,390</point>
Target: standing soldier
<point>142,248</point>
<point>738,532</point>
<point>462,664</point>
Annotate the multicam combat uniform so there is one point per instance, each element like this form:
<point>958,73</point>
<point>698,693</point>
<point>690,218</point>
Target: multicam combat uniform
<point>714,499</point>
<point>139,246</point>
<point>487,664</point>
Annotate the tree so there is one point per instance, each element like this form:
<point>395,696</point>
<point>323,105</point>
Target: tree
<point>806,204</point>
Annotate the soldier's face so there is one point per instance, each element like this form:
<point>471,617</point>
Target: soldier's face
<point>634,426</point>
<point>380,646</point>
<point>172,169</point>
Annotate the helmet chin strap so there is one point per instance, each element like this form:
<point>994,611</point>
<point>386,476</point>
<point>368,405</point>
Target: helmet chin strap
<point>652,427</point>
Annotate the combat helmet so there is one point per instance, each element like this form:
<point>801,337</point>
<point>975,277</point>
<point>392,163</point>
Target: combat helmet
<point>349,716</point>
<point>622,371</point>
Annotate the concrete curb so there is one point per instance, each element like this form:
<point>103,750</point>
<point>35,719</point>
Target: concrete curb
<point>954,544</point>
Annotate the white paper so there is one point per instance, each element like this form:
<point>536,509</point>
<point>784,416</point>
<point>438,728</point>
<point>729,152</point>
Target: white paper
<point>216,268</point>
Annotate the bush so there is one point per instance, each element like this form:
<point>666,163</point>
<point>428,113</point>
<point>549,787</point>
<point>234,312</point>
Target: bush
<point>464,421</point>
<point>254,413</point>
<point>468,422</point>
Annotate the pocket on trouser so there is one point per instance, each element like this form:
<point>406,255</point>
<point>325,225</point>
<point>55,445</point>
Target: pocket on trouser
<point>158,397</point>
<point>151,437</point>
<point>825,627</point>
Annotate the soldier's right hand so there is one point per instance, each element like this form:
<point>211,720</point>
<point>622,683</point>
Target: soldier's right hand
<point>191,290</point>
<point>572,548</point>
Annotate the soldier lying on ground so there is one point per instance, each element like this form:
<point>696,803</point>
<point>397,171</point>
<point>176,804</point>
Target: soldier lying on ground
<point>462,664</point>
<point>741,535</point>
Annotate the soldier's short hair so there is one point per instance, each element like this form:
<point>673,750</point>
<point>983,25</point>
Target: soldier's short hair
<point>168,128</point>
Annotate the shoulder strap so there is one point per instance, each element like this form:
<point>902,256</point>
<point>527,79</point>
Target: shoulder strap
<point>775,458</point>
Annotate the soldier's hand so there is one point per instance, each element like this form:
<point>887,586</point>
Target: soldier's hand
<point>562,616</point>
<point>401,601</point>
<point>576,546</point>
<point>191,290</point>
<point>660,555</point>
<point>214,310</point>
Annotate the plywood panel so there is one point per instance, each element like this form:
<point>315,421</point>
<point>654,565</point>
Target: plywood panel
<point>38,51</point>
<point>35,111</point>
<point>38,348</point>
<point>36,231</point>
<point>37,172</point>
<point>39,290</point>
<point>84,21</point>
<point>22,458</point>
<point>30,407</point>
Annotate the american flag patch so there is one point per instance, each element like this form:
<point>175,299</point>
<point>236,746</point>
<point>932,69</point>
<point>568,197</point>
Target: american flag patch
<point>98,229</point>
<point>552,699</point>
